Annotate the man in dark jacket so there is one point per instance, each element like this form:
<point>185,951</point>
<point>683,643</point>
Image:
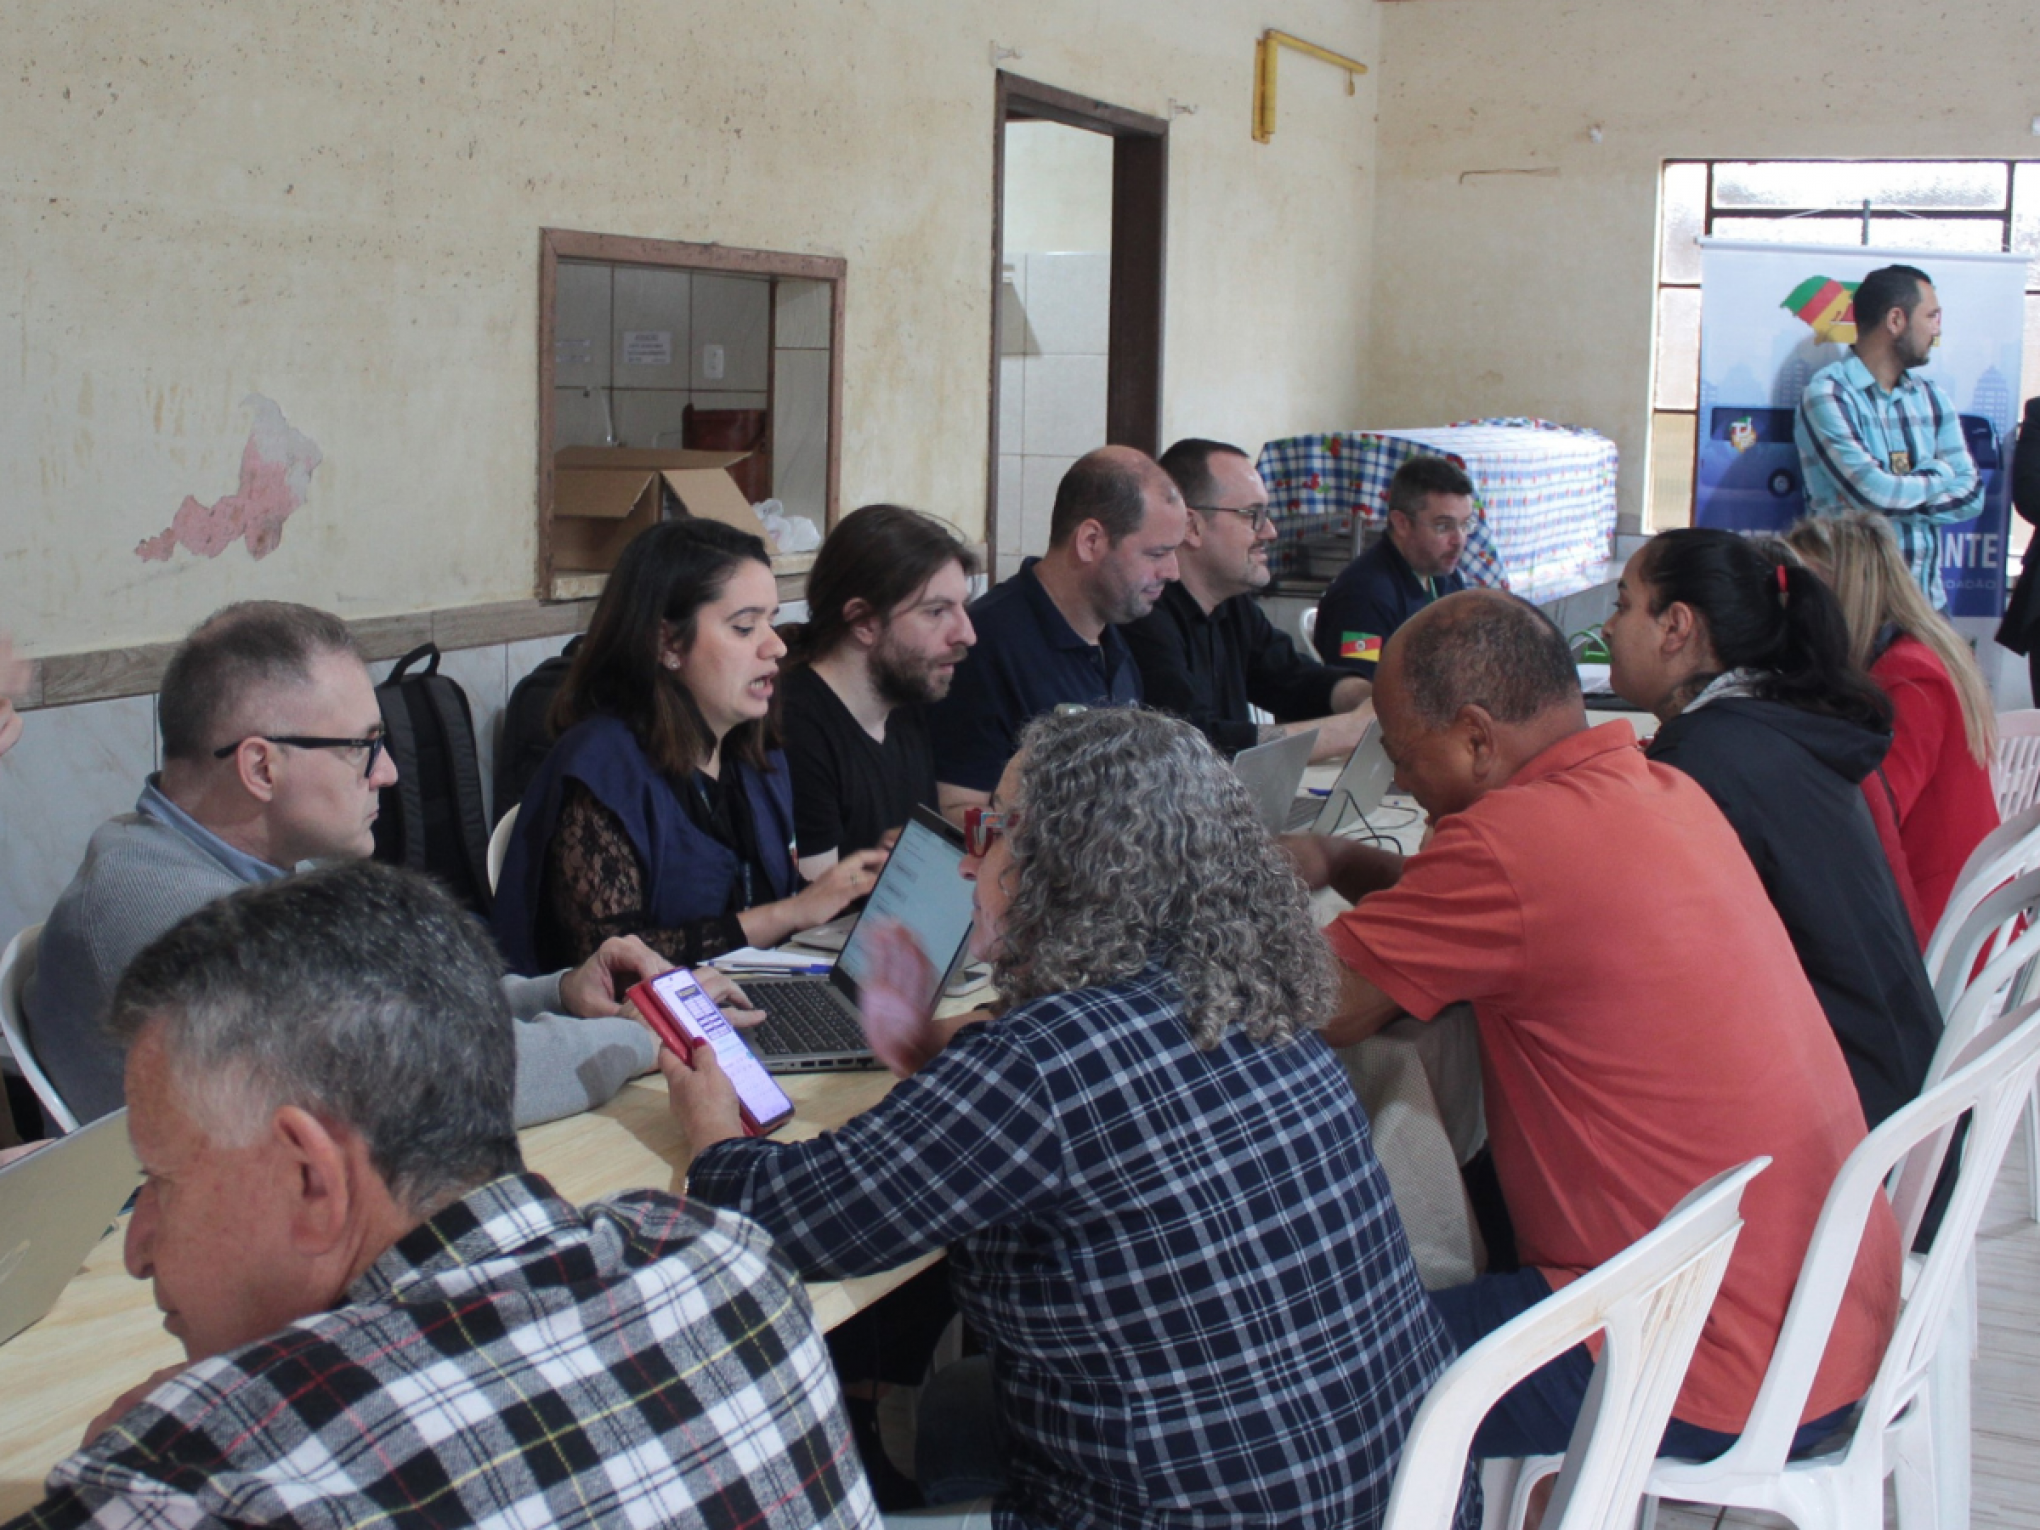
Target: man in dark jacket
<point>1207,650</point>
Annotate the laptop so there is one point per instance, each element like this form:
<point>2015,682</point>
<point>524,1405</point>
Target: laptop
<point>811,1023</point>
<point>1358,791</point>
<point>1272,772</point>
<point>54,1205</point>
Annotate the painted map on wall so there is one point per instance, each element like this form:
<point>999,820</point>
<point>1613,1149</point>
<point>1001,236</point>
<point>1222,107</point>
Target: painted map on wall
<point>276,473</point>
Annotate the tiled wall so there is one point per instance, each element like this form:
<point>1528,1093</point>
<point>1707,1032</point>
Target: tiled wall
<point>1052,353</point>
<point>800,399</point>
<point>676,316</point>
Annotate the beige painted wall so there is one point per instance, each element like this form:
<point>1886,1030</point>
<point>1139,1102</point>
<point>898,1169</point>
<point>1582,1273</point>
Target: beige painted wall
<point>338,208</point>
<point>1532,293</point>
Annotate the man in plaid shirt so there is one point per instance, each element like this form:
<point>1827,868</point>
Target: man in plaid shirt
<point>388,1322</point>
<point>1873,436</point>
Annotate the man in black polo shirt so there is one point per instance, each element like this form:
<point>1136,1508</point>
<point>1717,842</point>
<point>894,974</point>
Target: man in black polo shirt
<point>1430,507</point>
<point>1207,649</point>
<point>1046,636</point>
<point>886,629</point>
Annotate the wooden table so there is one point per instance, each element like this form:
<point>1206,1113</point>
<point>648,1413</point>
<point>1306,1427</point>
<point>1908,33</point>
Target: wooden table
<point>105,1334</point>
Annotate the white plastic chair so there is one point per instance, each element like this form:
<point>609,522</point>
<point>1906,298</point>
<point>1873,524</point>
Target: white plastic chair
<point>2015,773</point>
<point>499,845</point>
<point>17,971</point>
<point>1894,1431</point>
<point>1651,1300</point>
<point>1306,626</point>
<point>2009,849</point>
<point>1966,1003</point>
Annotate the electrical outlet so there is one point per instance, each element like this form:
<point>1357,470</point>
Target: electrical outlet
<point>712,362</point>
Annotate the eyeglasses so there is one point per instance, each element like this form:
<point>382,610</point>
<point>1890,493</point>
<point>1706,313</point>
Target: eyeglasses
<point>1261,515</point>
<point>982,826</point>
<point>374,744</point>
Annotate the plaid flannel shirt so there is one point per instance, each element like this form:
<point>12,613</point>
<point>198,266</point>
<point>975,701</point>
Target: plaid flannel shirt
<point>1900,453</point>
<point>512,1362</point>
<point>1198,1297</point>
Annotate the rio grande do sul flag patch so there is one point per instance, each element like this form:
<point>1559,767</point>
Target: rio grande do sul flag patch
<point>1365,646</point>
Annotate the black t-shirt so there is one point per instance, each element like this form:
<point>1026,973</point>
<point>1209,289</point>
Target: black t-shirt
<point>848,788</point>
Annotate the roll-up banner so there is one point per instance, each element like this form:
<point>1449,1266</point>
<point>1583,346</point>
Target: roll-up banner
<point>1771,315</point>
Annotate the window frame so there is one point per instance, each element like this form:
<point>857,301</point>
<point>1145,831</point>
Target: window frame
<point>557,244</point>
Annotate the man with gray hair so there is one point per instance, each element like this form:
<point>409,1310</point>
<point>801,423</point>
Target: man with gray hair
<point>1644,1020</point>
<point>386,1318</point>
<point>273,757</point>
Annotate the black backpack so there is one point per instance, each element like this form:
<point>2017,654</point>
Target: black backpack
<point>434,819</point>
<point>526,737</point>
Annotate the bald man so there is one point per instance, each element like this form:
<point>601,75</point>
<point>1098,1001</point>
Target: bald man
<point>1644,1021</point>
<point>1046,637</point>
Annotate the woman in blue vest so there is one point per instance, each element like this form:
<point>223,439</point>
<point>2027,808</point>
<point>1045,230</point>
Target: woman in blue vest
<point>663,811</point>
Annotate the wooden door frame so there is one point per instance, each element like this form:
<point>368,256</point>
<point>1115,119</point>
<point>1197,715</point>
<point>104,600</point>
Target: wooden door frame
<point>1140,202</point>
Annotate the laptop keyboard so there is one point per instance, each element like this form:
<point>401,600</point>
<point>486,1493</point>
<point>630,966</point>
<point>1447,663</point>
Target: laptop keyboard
<point>800,1018</point>
<point>1303,813</point>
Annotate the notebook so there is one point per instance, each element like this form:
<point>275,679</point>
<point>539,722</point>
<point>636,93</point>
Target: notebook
<point>811,1023</point>
<point>54,1205</point>
<point>1272,772</point>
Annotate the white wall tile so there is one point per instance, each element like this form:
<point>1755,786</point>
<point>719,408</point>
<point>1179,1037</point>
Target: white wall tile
<point>1065,405</point>
<point>1010,506</point>
<point>733,312</point>
<point>800,434</point>
<point>652,300</point>
<point>74,768</point>
<point>803,317</point>
<point>580,417</point>
<point>1069,303</point>
<point>1015,337</point>
<point>1038,479</point>
<point>1012,405</point>
<point>650,417</point>
<point>581,314</point>
<point>742,398</point>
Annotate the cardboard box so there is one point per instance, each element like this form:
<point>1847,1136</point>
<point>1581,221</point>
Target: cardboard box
<point>604,496</point>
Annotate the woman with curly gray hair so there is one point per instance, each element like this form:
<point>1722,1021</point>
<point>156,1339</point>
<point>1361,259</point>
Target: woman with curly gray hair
<point>1163,1214</point>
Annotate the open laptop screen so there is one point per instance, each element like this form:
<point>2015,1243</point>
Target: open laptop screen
<point>922,889</point>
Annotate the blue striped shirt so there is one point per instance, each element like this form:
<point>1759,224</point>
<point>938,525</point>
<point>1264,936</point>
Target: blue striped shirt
<point>1899,452</point>
<point>1198,1297</point>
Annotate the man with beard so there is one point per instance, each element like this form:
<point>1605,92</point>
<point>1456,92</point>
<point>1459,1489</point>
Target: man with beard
<point>885,631</point>
<point>1873,436</point>
<point>1208,651</point>
<point>1049,638</point>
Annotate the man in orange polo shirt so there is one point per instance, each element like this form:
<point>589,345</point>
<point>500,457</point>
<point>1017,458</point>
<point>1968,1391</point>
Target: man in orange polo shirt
<point>1644,1022</point>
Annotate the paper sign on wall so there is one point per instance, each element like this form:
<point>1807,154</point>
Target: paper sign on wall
<point>648,347</point>
<point>573,353</point>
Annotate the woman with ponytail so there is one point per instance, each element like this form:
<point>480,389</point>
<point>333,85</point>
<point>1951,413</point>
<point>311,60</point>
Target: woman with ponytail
<point>1944,730</point>
<point>1742,654</point>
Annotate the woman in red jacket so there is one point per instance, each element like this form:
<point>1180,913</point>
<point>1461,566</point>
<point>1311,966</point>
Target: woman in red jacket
<point>1944,732</point>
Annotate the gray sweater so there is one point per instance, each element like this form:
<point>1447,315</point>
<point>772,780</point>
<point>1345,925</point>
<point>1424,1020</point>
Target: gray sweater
<point>145,870</point>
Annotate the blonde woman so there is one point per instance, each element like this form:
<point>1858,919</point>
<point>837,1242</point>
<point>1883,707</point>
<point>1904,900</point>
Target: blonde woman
<point>1943,728</point>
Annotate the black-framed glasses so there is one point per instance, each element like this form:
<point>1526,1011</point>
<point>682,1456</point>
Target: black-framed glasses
<point>1261,515</point>
<point>374,744</point>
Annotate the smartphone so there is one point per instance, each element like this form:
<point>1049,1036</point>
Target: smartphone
<point>684,1017</point>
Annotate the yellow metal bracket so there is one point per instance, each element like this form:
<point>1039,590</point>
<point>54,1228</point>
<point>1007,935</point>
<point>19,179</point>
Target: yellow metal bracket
<point>1264,75</point>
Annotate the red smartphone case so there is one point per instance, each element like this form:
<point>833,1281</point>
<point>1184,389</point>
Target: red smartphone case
<point>670,1031</point>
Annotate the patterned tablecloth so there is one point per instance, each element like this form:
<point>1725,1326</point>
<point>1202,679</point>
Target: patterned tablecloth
<point>1545,493</point>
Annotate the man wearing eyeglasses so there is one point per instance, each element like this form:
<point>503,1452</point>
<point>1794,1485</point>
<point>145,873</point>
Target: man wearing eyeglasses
<point>1207,650</point>
<point>1416,561</point>
<point>273,758</point>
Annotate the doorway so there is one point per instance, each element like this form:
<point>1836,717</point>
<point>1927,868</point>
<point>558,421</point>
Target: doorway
<point>1078,224</point>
